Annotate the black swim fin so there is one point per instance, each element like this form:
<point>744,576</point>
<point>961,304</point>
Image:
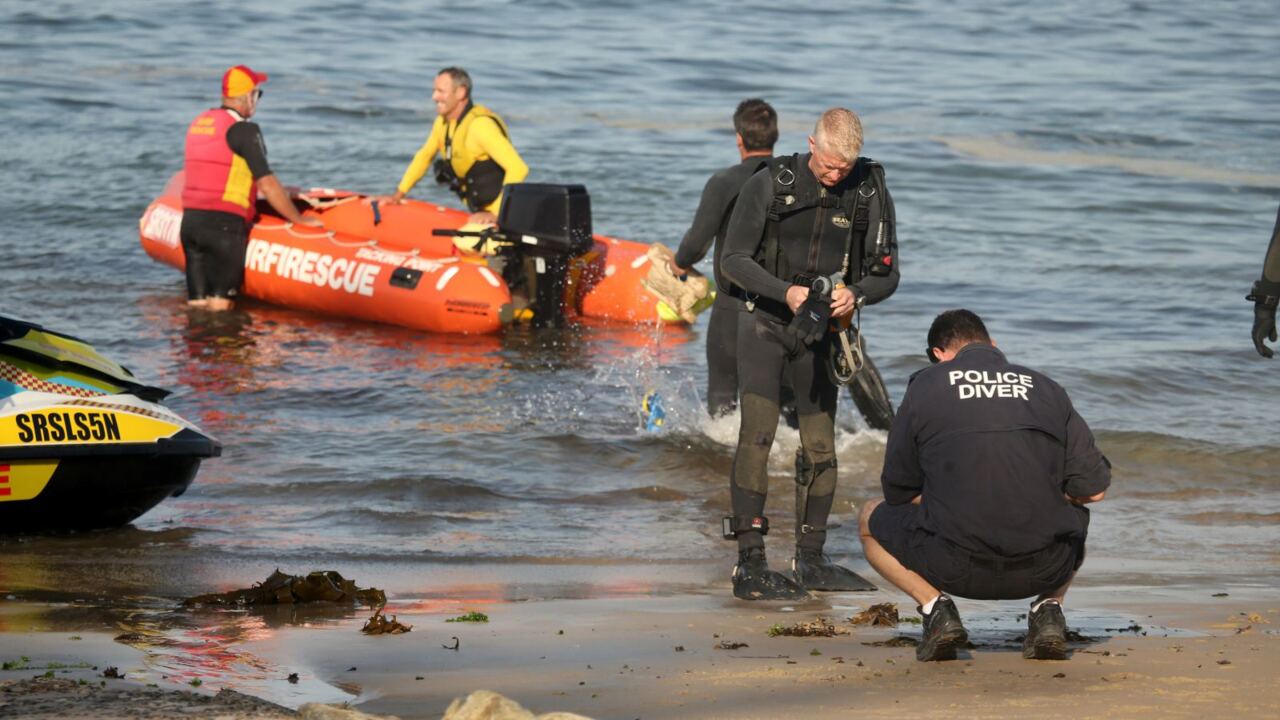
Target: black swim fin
<point>871,396</point>
<point>813,570</point>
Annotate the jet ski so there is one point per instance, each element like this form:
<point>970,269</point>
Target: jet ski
<point>83,444</point>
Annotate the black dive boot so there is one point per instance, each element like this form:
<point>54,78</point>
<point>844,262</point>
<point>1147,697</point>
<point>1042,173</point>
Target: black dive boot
<point>813,570</point>
<point>753,580</point>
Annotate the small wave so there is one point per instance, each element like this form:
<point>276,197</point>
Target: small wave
<point>388,520</point>
<point>78,103</point>
<point>1005,149</point>
<point>426,487</point>
<point>31,19</point>
<point>1170,462</point>
<point>1177,495</point>
<point>1232,518</point>
<point>1106,139</point>
<point>371,111</point>
<point>652,493</point>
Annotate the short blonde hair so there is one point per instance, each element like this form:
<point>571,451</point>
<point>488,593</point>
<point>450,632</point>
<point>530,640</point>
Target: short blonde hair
<point>839,131</point>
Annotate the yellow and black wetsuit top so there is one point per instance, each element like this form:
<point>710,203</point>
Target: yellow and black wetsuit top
<point>477,147</point>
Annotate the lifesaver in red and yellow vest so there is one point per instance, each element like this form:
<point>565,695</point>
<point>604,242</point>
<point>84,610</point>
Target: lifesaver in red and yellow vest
<point>217,178</point>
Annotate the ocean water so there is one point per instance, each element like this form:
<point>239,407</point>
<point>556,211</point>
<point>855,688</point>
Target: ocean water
<point>1097,179</point>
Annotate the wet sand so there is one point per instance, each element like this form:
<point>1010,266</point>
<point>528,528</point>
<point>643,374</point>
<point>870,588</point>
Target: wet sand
<point>656,656</point>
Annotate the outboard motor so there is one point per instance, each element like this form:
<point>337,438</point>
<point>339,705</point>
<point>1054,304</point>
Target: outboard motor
<point>545,227</point>
<point>541,228</point>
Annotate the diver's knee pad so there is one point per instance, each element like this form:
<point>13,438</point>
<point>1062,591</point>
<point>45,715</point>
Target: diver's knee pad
<point>755,439</point>
<point>816,457</point>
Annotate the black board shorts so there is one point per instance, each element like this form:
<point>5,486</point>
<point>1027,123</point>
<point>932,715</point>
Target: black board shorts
<point>956,571</point>
<point>214,243</point>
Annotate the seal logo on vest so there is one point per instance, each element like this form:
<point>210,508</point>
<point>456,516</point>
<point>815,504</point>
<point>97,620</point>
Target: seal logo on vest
<point>840,221</point>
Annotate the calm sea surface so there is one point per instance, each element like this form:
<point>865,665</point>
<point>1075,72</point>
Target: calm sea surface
<point>1097,179</point>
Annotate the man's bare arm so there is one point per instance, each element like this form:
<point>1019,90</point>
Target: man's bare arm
<point>275,194</point>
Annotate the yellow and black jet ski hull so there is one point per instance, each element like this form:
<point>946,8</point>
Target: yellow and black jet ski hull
<point>83,444</point>
<point>88,492</point>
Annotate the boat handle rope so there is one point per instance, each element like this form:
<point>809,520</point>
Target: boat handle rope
<point>333,238</point>
<point>326,204</point>
<point>288,227</point>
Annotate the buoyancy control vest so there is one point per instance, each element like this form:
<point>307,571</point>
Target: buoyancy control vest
<point>863,212</point>
<point>476,182</point>
<point>215,177</point>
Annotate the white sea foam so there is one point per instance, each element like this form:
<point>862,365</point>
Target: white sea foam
<point>1008,148</point>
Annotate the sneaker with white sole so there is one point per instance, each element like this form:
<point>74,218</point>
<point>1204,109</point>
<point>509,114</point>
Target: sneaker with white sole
<point>943,632</point>
<point>1046,633</point>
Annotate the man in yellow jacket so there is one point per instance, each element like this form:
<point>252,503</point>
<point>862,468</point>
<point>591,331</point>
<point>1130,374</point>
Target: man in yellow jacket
<point>477,158</point>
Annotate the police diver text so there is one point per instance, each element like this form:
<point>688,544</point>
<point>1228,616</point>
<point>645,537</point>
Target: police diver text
<point>985,384</point>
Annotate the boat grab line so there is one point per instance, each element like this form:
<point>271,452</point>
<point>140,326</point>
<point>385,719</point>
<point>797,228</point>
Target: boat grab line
<point>333,238</point>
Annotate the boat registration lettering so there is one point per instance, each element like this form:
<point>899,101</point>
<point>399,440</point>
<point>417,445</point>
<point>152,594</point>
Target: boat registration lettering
<point>76,425</point>
<point>311,267</point>
<point>59,427</point>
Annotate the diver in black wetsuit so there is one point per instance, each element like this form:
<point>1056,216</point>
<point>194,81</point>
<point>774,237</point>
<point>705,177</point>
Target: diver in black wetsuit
<point>811,238</point>
<point>756,127</point>
<point>755,124</point>
<point>1266,295</point>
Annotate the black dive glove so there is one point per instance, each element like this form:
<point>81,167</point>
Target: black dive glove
<point>810,322</point>
<point>1265,299</point>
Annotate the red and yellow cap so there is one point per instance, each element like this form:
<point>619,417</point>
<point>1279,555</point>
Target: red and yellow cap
<point>241,80</point>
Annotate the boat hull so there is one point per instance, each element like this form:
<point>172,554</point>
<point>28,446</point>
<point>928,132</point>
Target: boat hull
<point>384,264</point>
<point>90,492</point>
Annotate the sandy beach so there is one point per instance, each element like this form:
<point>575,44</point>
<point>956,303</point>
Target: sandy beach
<point>662,656</point>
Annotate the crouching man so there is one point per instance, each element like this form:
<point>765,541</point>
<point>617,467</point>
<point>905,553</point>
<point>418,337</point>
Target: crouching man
<point>986,474</point>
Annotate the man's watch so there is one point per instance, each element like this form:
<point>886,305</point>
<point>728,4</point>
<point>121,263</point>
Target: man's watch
<point>1266,295</point>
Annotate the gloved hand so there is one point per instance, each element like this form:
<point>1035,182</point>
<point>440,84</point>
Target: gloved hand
<point>1264,328</point>
<point>810,321</point>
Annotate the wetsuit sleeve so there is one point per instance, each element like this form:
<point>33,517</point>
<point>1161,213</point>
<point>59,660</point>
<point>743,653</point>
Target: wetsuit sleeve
<point>1271,266</point>
<point>706,221</point>
<point>245,139</point>
<point>495,143</point>
<point>1088,472</point>
<point>902,477</point>
<point>743,239</point>
<point>878,287</point>
<point>422,159</point>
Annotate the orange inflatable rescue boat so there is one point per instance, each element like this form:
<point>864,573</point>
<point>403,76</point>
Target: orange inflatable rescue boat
<point>417,265</point>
